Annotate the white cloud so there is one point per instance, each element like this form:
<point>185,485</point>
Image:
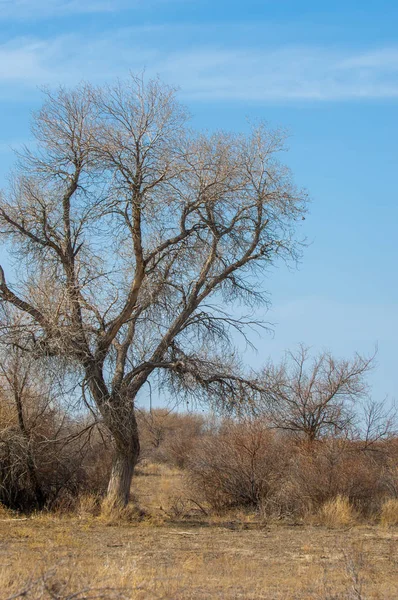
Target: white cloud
<point>384,58</point>
<point>294,73</point>
<point>208,73</point>
<point>67,59</point>
<point>23,61</point>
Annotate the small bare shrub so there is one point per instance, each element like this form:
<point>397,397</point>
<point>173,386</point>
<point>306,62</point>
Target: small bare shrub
<point>354,567</point>
<point>240,466</point>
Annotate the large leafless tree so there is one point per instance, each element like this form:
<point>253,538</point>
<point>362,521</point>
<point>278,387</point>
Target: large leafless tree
<point>134,236</point>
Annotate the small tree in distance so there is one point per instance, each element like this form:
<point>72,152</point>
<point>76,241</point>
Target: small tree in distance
<point>134,237</point>
<point>315,396</point>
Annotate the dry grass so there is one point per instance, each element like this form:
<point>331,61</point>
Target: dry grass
<point>174,562</point>
<point>389,513</point>
<point>5,513</point>
<point>166,556</point>
<point>337,513</point>
<point>162,493</point>
<point>89,505</point>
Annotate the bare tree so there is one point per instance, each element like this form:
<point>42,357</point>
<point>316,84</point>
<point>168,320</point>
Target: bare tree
<point>315,396</point>
<point>378,422</point>
<point>134,238</point>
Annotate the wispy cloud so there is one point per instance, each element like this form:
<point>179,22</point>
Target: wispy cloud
<point>19,10</point>
<point>67,59</point>
<point>294,73</point>
<point>24,61</point>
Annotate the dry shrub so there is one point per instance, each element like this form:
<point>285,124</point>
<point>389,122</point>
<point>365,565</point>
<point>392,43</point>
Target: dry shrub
<point>337,513</point>
<point>53,461</point>
<point>239,466</point>
<point>390,467</point>
<point>188,430</point>
<point>5,513</point>
<point>389,513</point>
<point>330,468</point>
<point>246,464</point>
<point>168,437</point>
<point>285,502</point>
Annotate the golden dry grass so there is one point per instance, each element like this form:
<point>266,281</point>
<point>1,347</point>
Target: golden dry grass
<point>177,562</point>
<point>163,555</point>
<point>389,513</point>
<point>337,513</point>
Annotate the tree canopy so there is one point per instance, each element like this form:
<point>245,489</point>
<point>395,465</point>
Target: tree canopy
<point>135,236</point>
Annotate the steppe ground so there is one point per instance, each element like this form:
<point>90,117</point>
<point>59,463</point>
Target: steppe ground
<point>170,554</point>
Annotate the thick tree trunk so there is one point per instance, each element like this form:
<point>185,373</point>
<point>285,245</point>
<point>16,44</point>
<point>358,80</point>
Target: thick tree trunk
<point>126,453</point>
<point>118,412</point>
<point>123,465</point>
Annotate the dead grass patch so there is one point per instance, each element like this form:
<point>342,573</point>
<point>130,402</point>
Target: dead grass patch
<point>6,513</point>
<point>389,513</point>
<point>92,559</point>
<point>337,513</point>
<point>89,505</point>
<point>182,553</point>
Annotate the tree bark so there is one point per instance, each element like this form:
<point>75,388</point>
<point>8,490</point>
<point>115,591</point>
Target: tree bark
<point>123,465</point>
<point>118,412</point>
<point>126,453</point>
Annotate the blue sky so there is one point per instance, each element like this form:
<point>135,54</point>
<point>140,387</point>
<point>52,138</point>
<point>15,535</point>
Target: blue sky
<point>326,71</point>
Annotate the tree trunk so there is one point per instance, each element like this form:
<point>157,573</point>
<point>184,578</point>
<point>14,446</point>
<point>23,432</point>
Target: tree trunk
<point>126,453</point>
<point>118,412</point>
<point>123,464</point>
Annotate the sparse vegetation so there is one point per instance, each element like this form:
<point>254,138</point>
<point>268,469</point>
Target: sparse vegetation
<point>192,556</point>
<point>227,510</point>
